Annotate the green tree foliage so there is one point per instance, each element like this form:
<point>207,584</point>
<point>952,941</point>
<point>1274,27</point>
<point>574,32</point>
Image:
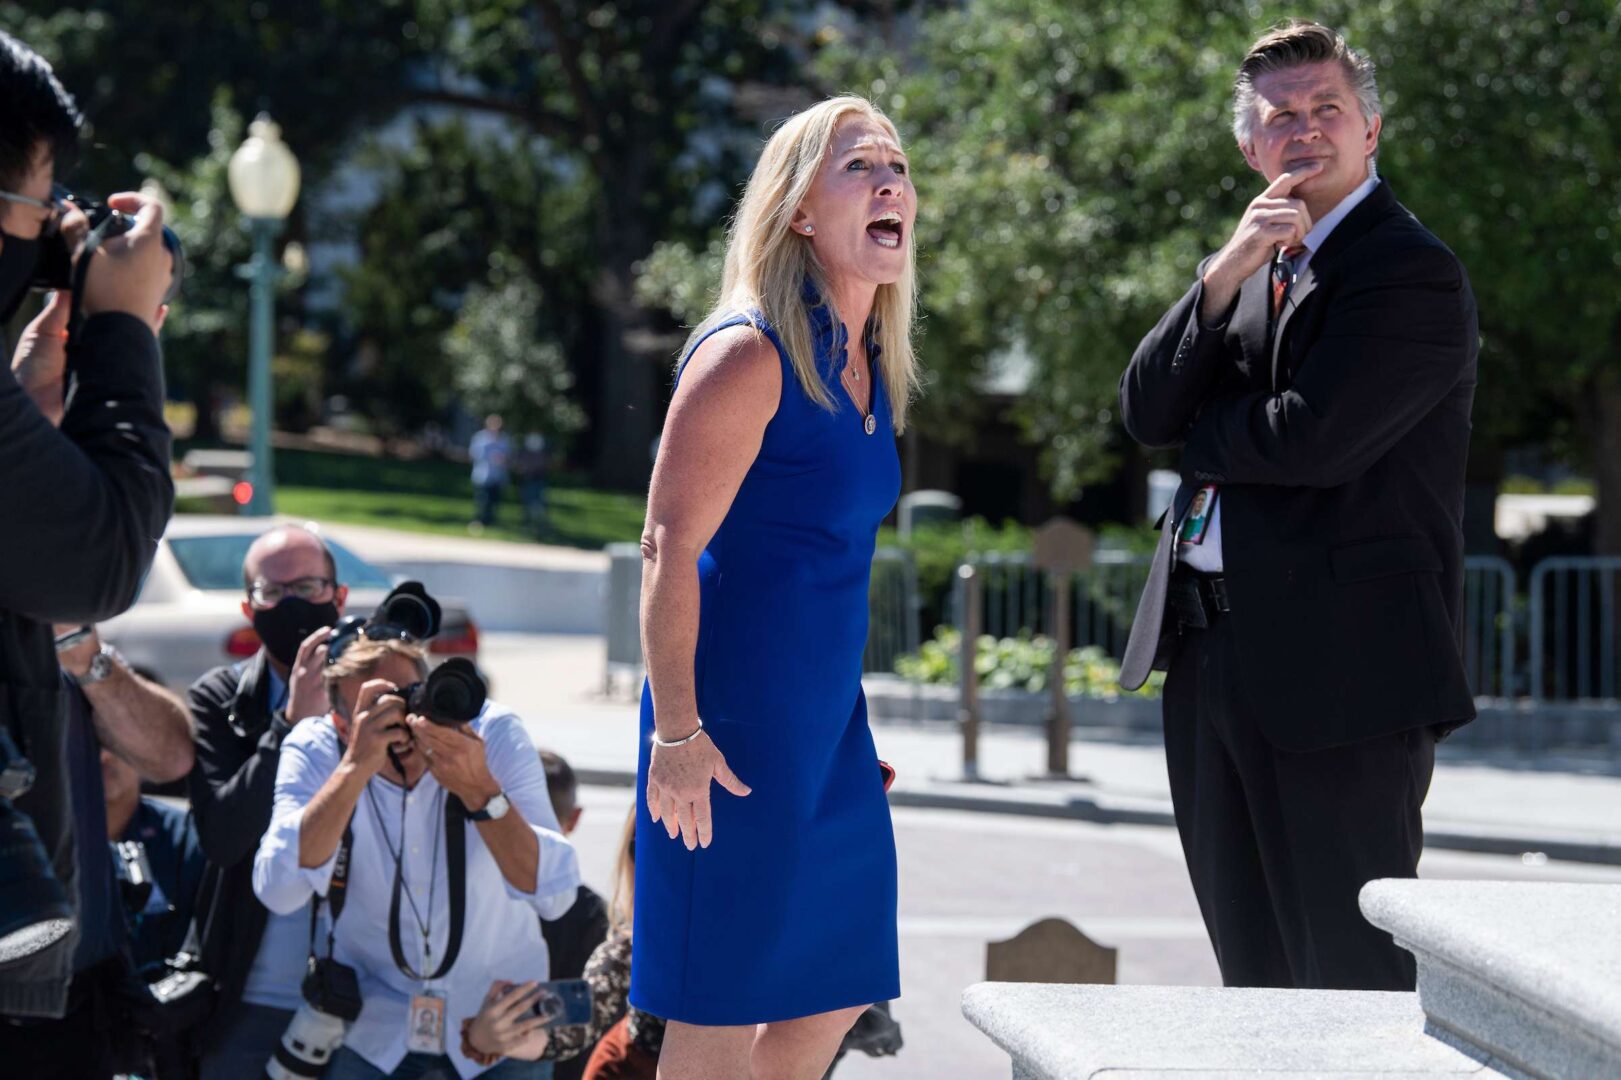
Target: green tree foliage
<point>502,366</point>
<point>658,105</point>
<point>205,336</point>
<point>1503,133</point>
<point>146,74</point>
<point>456,209</point>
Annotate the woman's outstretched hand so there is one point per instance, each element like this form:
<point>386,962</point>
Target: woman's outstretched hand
<point>678,788</point>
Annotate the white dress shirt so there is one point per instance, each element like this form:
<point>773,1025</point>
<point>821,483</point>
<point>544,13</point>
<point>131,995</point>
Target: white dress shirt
<point>501,937</point>
<point>1206,557</point>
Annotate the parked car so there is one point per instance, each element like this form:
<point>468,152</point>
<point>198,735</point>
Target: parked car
<point>188,617</point>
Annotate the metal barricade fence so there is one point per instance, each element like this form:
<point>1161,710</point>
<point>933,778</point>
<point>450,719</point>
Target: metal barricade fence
<point>1016,598</point>
<point>1489,626</point>
<point>1574,633</point>
<point>894,610</point>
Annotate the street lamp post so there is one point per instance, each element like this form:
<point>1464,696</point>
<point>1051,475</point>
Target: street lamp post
<point>264,177</point>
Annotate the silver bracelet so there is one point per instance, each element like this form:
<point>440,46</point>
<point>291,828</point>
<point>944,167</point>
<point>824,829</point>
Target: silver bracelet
<point>678,742</point>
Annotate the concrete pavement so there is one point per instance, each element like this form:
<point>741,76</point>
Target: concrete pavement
<point>1546,807</point>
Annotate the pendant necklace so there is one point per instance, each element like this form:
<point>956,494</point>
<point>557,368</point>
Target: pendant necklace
<point>870,423</point>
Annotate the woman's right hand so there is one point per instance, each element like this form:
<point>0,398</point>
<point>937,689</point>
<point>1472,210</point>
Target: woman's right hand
<point>678,788</point>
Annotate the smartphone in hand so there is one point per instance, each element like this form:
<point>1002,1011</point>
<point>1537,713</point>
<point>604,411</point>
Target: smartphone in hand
<point>564,1002</point>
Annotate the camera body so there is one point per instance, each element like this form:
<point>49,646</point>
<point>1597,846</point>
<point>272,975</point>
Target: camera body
<point>331,1003</point>
<point>54,270</point>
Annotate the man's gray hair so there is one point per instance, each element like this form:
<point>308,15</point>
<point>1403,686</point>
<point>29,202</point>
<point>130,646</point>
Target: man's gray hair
<point>1292,44</point>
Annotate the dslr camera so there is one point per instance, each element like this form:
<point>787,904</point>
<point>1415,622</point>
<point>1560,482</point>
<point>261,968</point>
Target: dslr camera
<point>55,266</point>
<point>454,692</point>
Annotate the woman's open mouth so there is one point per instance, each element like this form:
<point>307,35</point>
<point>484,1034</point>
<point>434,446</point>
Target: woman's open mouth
<point>887,229</point>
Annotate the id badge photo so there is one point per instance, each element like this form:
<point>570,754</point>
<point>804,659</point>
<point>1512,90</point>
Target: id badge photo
<point>425,1033</point>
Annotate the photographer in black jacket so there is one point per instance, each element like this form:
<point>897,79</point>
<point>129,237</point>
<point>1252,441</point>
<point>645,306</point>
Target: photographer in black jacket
<point>85,483</point>
<point>242,712</point>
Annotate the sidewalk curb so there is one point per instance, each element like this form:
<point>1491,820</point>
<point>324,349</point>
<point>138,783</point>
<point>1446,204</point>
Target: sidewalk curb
<point>1568,848</point>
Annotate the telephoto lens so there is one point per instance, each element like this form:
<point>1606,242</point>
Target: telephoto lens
<point>331,1003</point>
<point>453,693</point>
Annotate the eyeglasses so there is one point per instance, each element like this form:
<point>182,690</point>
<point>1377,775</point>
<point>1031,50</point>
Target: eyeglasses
<point>352,628</point>
<point>267,594</point>
<point>54,207</point>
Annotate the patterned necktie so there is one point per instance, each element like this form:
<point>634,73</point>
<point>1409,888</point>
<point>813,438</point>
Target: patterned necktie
<point>1283,276</point>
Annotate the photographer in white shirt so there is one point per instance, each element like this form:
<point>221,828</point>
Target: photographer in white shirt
<point>344,771</point>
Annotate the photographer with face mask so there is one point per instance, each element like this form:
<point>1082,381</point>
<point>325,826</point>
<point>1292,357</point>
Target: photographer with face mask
<point>242,712</point>
<point>417,813</point>
<point>84,479</point>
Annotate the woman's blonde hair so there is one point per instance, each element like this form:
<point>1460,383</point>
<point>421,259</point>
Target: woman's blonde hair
<point>767,263</point>
<point>622,906</point>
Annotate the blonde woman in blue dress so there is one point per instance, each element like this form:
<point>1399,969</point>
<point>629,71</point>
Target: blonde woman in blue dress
<point>765,917</point>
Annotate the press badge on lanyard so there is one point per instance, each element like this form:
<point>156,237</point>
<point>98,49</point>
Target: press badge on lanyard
<point>1197,522</point>
<point>426,1034</point>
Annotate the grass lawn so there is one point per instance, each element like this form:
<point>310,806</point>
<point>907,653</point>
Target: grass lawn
<point>436,496</point>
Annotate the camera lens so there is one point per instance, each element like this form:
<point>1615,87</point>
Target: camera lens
<point>454,693</point>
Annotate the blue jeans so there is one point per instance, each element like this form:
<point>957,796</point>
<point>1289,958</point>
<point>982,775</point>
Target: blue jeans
<point>348,1065</point>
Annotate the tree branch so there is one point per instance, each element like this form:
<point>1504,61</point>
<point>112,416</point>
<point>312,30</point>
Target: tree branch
<point>541,123</point>
<point>568,54</point>
<point>673,19</point>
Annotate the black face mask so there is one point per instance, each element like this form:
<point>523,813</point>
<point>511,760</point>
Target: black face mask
<point>284,627</point>
<point>17,260</point>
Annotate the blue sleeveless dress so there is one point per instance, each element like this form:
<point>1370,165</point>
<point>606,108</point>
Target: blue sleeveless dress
<point>791,910</point>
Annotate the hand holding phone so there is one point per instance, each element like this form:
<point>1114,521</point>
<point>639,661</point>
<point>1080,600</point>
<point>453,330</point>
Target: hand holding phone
<point>562,1003</point>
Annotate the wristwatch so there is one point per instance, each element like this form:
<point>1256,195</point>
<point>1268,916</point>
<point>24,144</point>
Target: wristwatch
<point>101,666</point>
<point>494,810</point>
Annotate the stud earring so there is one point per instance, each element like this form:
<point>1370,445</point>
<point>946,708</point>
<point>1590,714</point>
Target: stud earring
<point>809,229</point>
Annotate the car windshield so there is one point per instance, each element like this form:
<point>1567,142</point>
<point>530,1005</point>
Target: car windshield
<point>215,562</point>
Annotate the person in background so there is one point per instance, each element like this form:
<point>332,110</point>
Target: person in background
<point>397,782</point>
<point>491,452</point>
<point>621,1042</point>
<point>168,837</point>
<point>529,469</point>
<point>243,712</point>
<point>575,934</point>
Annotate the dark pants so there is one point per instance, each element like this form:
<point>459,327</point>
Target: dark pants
<point>1278,844</point>
<point>486,501</point>
<point>79,1046</point>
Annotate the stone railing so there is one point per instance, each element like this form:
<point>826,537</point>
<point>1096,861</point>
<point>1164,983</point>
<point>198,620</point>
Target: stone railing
<point>1515,979</point>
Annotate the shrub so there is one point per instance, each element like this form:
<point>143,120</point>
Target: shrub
<point>1019,663</point>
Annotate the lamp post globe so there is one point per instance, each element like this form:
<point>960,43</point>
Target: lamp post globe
<point>263,173</point>
<point>264,177</point>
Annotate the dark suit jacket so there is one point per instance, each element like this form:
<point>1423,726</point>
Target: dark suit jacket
<point>239,742</point>
<point>1340,453</point>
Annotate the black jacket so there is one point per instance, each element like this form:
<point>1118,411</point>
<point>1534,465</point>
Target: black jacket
<point>1340,453</point>
<point>85,505</point>
<point>238,744</point>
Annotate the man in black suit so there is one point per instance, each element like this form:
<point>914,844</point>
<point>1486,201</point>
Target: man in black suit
<point>1318,376</point>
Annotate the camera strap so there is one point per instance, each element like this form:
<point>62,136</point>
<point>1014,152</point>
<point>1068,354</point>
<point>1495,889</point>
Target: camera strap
<point>81,270</point>
<point>337,891</point>
<point>456,865</point>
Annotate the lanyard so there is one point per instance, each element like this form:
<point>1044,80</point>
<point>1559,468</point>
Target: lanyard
<point>455,832</point>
